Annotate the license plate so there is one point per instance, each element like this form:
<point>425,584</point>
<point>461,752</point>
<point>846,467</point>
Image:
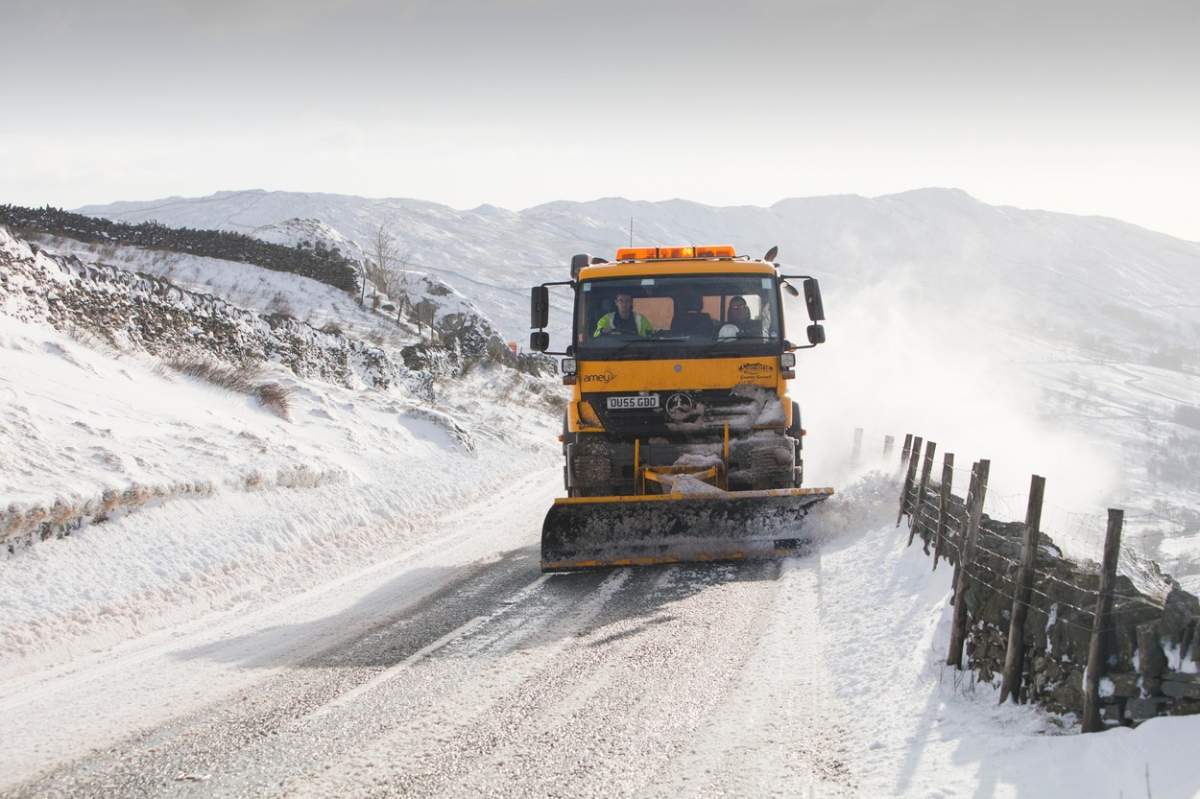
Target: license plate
<point>625,403</point>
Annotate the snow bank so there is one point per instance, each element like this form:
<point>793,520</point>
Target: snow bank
<point>920,728</point>
<point>169,495</point>
<point>271,504</point>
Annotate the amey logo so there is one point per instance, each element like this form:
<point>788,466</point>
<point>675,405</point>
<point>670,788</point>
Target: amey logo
<point>603,377</point>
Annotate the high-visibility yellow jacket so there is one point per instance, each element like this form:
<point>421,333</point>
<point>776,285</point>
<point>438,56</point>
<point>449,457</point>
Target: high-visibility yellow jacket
<point>644,328</point>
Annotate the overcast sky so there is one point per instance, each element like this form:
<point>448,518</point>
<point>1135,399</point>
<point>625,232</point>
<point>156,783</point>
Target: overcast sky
<point>1086,107</point>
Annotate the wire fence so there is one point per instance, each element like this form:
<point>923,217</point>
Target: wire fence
<point>1108,592</point>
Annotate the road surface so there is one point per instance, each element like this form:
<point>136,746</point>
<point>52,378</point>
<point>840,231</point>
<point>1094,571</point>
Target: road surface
<point>459,670</point>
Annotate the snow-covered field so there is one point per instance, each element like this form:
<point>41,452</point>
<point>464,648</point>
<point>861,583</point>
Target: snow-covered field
<point>207,497</point>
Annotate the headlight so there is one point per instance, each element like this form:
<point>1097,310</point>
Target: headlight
<point>787,360</point>
<point>568,366</point>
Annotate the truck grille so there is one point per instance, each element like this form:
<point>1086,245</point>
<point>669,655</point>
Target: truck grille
<point>681,412</point>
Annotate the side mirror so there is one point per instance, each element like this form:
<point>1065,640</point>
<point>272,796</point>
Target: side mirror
<point>539,341</point>
<point>539,307</point>
<point>579,261</point>
<point>812,298</point>
<point>816,334</point>
<point>771,253</point>
<point>790,289</point>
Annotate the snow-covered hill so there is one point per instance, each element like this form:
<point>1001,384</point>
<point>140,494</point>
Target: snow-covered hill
<point>1060,271</point>
<point>193,450</point>
<point>310,233</point>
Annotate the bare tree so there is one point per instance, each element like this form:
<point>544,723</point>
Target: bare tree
<point>383,251</point>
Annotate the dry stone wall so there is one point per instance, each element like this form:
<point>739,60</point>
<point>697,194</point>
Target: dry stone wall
<point>319,262</point>
<point>1152,639</point>
<point>130,310</point>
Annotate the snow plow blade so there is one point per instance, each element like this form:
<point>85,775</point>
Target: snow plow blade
<point>594,532</point>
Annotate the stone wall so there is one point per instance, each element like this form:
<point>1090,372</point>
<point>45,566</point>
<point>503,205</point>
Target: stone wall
<point>319,262</point>
<point>135,311</point>
<point>1152,638</point>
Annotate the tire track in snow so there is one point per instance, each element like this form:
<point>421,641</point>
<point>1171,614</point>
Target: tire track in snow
<point>778,731</point>
<point>684,680</point>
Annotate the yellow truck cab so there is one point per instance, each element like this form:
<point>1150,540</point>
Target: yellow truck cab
<point>678,362</point>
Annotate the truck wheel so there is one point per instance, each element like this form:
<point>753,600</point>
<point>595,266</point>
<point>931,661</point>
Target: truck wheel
<point>794,432</point>
<point>591,467</point>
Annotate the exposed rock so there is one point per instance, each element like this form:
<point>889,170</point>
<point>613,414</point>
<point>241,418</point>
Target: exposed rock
<point>1181,686</point>
<point>1142,709</point>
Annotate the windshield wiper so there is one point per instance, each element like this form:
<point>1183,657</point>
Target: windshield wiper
<point>626,345</point>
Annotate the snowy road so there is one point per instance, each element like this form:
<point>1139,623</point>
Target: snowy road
<point>459,670</point>
<point>453,676</point>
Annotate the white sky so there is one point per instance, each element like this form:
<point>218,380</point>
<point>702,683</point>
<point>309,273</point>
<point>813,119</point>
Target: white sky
<point>1086,107</point>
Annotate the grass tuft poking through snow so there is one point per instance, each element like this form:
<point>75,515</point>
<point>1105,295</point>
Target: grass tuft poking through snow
<point>242,380</point>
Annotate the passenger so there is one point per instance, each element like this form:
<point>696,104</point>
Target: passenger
<point>690,318</point>
<point>739,314</point>
<point>624,319</point>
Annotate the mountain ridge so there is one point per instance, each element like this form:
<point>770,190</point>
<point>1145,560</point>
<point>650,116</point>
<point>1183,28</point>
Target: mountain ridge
<point>941,243</point>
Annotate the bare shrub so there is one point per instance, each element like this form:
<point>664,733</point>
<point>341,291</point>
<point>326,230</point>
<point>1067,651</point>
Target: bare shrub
<point>243,380</point>
<point>274,397</point>
<point>231,378</point>
<point>279,304</point>
<point>333,329</point>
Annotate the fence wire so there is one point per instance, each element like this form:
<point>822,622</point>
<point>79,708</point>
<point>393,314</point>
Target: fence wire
<point>925,515</point>
<point>1077,535</point>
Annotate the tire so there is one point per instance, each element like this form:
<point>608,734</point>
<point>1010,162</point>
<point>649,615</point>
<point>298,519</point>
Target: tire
<point>590,467</point>
<point>767,466</point>
<point>794,432</point>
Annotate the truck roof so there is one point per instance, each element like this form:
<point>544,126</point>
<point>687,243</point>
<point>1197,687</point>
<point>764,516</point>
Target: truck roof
<point>682,266</point>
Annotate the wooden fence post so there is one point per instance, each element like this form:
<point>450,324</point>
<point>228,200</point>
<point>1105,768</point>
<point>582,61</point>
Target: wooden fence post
<point>856,453</point>
<point>907,449</point>
<point>1108,580</point>
<point>910,476</point>
<point>1022,593</point>
<point>960,544</point>
<point>958,634</point>
<point>889,443</point>
<point>943,505</point>
<point>919,504</point>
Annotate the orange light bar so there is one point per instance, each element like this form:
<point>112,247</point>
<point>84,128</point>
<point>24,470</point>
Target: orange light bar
<point>665,253</point>
<point>637,253</point>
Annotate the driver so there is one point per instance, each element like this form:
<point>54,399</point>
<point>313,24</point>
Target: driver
<point>624,319</point>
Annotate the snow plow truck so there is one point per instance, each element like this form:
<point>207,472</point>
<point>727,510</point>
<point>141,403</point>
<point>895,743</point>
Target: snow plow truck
<point>681,443</point>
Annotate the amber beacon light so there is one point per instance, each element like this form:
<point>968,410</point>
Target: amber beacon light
<point>675,253</point>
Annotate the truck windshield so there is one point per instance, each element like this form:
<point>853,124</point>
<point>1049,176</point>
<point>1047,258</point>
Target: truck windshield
<point>678,316</point>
